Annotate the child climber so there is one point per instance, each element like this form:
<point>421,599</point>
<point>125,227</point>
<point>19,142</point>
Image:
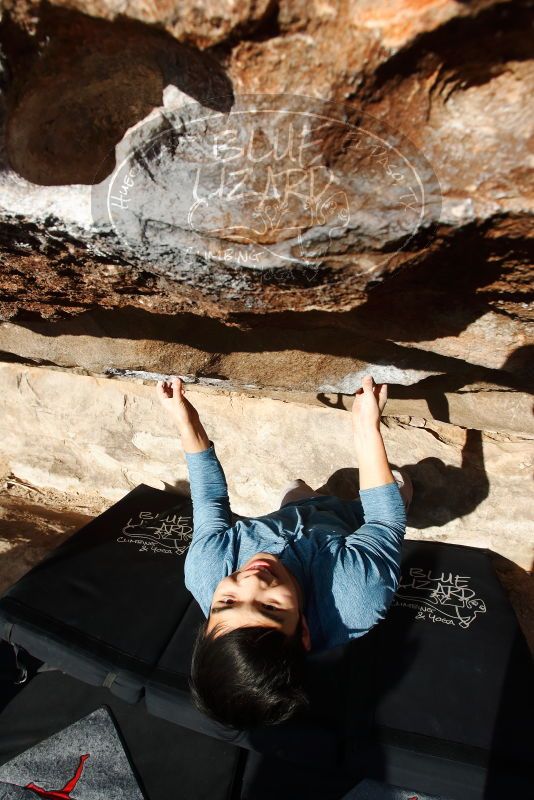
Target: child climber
<point>307,577</point>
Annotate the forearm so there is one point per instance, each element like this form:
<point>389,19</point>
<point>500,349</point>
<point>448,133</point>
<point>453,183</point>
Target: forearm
<point>372,458</point>
<point>194,437</point>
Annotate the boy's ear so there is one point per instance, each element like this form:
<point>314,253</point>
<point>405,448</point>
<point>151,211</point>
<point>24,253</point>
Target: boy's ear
<point>306,638</point>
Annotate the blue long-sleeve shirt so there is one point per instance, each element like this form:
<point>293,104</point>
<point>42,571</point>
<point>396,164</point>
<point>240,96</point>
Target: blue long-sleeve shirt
<point>345,554</point>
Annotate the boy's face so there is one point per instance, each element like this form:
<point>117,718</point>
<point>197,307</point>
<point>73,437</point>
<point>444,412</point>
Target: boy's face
<point>263,592</point>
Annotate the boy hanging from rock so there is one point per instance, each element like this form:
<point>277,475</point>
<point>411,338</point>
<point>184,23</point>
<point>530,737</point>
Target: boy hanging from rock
<point>310,576</point>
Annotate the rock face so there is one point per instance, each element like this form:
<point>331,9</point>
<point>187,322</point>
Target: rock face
<point>398,219</point>
<point>272,199</point>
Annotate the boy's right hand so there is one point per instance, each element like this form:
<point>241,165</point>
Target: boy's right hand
<point>171,395</point>
<point>369,402</point>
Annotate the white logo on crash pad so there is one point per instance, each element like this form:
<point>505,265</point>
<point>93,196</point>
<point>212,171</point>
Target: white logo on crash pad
<point>441,597</point>
<point>169,533</point>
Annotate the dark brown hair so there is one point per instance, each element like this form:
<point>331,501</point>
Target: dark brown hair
<point>250,676</point>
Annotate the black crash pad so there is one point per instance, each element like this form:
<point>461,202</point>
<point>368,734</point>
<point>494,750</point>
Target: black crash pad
<point>448,681</point>
<point>102,605</point>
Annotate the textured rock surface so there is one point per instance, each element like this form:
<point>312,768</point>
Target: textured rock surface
<point>445,309</point>
<point>315,365</point>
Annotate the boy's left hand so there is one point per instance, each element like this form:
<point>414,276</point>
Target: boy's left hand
<point>171,395</point>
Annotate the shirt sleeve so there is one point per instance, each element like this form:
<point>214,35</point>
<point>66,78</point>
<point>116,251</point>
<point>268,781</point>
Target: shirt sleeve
<point>211,550</point>
<point>367,567</point>
<point>209,493</point>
